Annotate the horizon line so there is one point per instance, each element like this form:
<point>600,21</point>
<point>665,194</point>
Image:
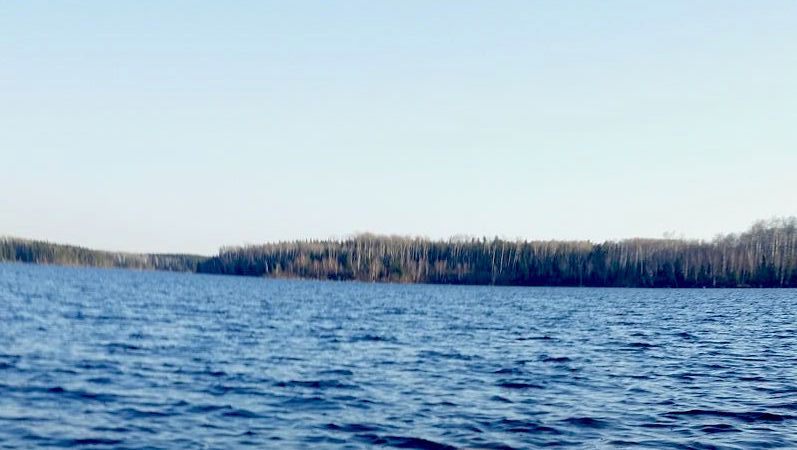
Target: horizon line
<point>458,238</point>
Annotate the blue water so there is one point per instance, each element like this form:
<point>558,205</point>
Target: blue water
<point>114,359</point>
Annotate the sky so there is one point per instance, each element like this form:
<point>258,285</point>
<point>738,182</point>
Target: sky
<point>181,126</point>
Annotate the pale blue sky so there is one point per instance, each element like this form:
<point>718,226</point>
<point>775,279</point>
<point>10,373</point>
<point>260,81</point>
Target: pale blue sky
<point>182,126</point>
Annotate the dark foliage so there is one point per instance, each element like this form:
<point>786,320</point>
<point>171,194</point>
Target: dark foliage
<point>763,256</point>
<point>23,250</point>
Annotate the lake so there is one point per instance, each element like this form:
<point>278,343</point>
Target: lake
<point>127,359</point>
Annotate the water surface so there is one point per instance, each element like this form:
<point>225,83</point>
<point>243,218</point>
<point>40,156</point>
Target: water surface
<point>125,359</point>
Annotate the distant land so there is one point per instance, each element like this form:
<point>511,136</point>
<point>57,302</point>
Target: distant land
<point>763,256</point>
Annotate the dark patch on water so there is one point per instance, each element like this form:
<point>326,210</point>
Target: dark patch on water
<point>315,384</point>
<point>403,442</point>
<point>240,413</point>
<point>122,347</point>
<point>509,370</point>
<point>353,428</point>
<point>339,372</point>
<point>641,345</point>
<point>719,428</point>
<point>372,338</point>
<point>686,336</point>
<point>432,354</point>
<point>750,416</point>
<point>534,338</point>
<point>100,380</point>
<point>88,442</point>
<point>586,422</point>
<point>554,359</point>
<point>519,385</point>
<point>208,408</point>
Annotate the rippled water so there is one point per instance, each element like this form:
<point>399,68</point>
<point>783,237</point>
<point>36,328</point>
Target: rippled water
<point>113,358</point>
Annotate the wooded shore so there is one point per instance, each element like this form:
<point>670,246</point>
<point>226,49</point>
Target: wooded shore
<point>763,256</point>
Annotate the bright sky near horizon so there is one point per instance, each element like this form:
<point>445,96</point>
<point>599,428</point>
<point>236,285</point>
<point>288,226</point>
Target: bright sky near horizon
<point>186,125</point>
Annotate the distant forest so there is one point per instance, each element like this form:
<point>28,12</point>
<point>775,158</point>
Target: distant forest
<point>40,252</point>
<point>763,256</point>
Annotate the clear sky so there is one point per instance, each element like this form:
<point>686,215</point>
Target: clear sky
<point>182,126</point>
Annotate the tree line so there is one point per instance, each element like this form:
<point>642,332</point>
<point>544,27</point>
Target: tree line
<point>41,252</point>
<point>763,256</point>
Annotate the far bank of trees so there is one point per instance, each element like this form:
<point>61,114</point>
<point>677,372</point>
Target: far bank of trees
<point>39,252</point>
<point>763,256</point>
